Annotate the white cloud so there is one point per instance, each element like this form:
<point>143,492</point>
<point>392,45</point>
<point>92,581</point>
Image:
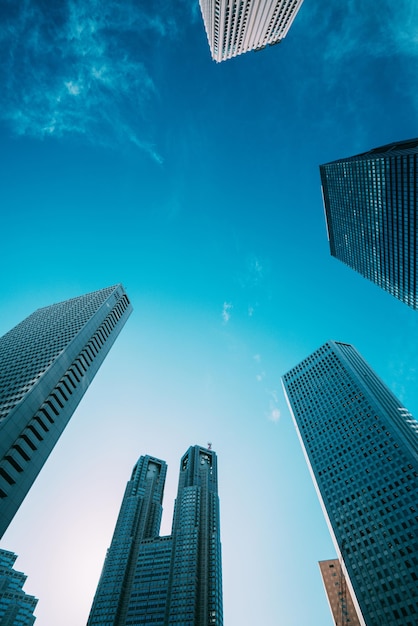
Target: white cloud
<point>226,312</point>
<point>274,414</point>
<point>274,411</point>
<point>77,68</point>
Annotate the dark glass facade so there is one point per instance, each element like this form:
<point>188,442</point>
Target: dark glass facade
<point>361,446</point>
<point>16,607</point>
<point>371,208</point>
<point>177,579</point>
<point>46,365</point>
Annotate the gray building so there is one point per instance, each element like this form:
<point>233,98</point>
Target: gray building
<point>16,606</point>
<point>46,365</point>
<point>361,446</point>
<point>175,579</point>
<point>371,208</point>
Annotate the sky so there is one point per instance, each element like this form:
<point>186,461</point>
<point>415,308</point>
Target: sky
<point>129,156</point>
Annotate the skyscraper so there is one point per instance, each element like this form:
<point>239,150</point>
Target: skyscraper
<point>361,446</point>
<point>237,26</point>
<point>339,597</point>
<point>46,365</point>
<point>16,606</point>
<point>371,209</point>
<point>175,579</point>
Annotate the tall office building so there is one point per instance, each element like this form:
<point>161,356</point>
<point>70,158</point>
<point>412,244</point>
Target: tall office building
<point>175,579</point>
<point>361,446</point>
<point>46,365</point>
<point>237,26</point>
<point>16,606</point>
<point>339,597</point>
<point>371,209</point>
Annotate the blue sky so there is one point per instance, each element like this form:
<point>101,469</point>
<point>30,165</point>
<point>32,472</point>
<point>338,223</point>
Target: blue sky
<point>129,156</point>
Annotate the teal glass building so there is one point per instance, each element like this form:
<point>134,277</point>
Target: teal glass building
<point>371,209</point>
<point>16,606</point>
<point>174,579</point>
<point>361,446</point>
<point>47,363</point>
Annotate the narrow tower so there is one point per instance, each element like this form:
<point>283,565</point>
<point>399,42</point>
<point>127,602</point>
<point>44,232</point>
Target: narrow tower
<point>47,363</point>
<point>139,520</point>
<point>196,559</point>
<point>361,446</point>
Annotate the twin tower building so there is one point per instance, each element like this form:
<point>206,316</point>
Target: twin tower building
<point>360,442</point>
<point>46,365</point>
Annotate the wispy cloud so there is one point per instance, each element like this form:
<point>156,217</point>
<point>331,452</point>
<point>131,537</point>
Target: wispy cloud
<point>357,45</point>
<point>356,28</point>
<point>274,412</point>
<point>78,68</point>
<point>226,312</point>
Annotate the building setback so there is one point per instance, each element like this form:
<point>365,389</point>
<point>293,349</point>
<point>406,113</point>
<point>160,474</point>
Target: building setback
<point>176,579</point>
<point>237,26</point>
<point>361,446</point>
<point>47,363</point>
<point>371,209</point>
<point>339,597</point>
<point>16,607</point>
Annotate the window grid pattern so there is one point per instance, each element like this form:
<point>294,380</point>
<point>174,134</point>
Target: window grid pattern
<point>55,352</point>
<point>237,26</point>
<point>174,580</point>
<point>362,448</point>
<point>371,206</point>
<point>16,606</point>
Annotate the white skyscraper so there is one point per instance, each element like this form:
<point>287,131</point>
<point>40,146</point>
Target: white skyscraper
<point>237,26</point>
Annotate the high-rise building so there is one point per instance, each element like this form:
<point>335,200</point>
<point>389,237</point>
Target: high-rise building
<point>339,597</point>
<point>237,26</point>
<point>174,579</point>
<point>361,446</point>
<point>16,607</point>
<point>46,365</point>
<point>371,209</point>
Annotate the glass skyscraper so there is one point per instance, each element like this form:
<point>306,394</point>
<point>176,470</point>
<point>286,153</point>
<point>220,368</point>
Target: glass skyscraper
<point>371,208</point>
<point>16,606</point>
<point>237,26</point>
<point>361,446</point>
<point>175,579</point>
<point>46,365</point>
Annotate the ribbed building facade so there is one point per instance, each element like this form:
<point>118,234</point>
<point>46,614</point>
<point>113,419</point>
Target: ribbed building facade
<point>16,606</point>
<point>169,580</point>
<point>46,365</point>
<point>237,26</point>
<point>361,446</point>
<point>371,209</point>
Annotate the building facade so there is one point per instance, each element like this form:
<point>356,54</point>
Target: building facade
<point>237,26</point>
<point>46,365</point>
<point>361,446</point>
<point>16,607</point>
<point>338,594</point>
<point>175,579</point>
<point>371,209</point>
